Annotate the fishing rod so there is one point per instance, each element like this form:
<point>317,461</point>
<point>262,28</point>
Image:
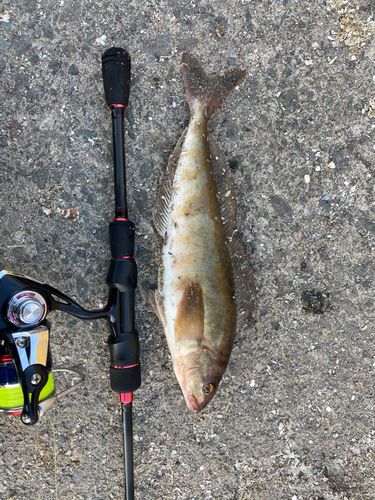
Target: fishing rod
<point>27,385</point>
<point>125,371</point>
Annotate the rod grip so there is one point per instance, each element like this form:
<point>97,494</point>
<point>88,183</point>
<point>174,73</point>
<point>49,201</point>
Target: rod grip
<point>116,76</point>
<point>125,370</point>
<point>121,236</point>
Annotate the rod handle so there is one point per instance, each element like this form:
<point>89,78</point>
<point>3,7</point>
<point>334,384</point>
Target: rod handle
<point>116,76</point>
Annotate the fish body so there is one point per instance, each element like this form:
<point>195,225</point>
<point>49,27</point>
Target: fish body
<point>197,298</point>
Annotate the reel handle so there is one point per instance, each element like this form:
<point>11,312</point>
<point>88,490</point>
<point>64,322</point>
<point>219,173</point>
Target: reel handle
<point>116,76</point>
<point>34,378</point>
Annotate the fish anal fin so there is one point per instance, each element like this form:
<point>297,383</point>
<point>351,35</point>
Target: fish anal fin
<point>246,295</point>
<point>189,324</point>
<point>156,302</point>
<point>224,188</point>
<point>162,205</point>
<point>213,89</point>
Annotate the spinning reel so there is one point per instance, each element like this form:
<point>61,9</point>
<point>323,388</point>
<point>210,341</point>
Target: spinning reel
<point>26,380</point>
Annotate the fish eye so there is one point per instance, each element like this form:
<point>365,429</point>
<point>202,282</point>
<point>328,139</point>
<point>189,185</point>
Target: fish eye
<point>208,389</point>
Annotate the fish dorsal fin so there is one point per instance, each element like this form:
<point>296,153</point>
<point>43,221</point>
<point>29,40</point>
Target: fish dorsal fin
<point>246,295</point>
<point>224,188</point>
<point>189,324</point>
<point>162,206</point>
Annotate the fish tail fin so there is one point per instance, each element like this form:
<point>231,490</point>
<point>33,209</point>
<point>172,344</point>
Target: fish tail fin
<point>213,89</point>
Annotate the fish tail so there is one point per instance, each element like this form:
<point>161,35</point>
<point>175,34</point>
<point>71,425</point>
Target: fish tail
<point>212,89</point>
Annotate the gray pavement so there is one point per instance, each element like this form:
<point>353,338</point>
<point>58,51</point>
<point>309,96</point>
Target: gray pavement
<point>294,417</point>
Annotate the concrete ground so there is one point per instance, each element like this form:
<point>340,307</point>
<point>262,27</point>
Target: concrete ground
<point>294,417</point>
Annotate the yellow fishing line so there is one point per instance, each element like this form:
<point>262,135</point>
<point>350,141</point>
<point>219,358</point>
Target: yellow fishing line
<point>12,397</point>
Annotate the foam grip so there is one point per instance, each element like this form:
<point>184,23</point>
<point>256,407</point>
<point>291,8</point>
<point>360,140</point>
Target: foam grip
<point>122,274</point>
<point>125,380</point>
<point>116,76</point>
<point>121,237</point>
<point>124,349</point>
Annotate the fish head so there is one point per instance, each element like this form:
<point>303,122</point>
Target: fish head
<point>200,376</point>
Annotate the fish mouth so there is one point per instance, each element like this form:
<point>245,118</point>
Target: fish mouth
<point>192,403</point>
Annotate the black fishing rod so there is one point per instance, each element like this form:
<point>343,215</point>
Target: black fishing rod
<point>125,371</point>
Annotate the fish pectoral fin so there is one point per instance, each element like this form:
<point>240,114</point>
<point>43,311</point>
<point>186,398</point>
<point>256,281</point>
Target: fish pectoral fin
<point>156,302</point>
<point>189,324</point>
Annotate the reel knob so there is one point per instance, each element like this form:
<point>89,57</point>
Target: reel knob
<point>26,308</point>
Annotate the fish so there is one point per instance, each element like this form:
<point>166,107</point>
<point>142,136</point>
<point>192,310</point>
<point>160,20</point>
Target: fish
<point>206,292</point>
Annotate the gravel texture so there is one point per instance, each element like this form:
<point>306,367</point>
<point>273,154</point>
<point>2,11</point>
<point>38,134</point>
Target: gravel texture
<point>294,417</point>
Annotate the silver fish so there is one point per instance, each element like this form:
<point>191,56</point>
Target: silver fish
<point>206,292</point>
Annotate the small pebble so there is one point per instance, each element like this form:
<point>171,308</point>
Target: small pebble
<point>69,213</point>
<point>174,105</point>
<point>328,409</point>
<point>5,17</point>
<point>325,198</point>
<point>317,168</point>
<point>331,164</point>
<point>101,40</point>
<point>307,178</point>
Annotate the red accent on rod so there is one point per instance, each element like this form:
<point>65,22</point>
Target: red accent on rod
<point>126,397</point>
<point>123,367</point>
<point>117,106</point>
<point>6,358</point>
<point>129,257</point>
<point>121,218</point>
